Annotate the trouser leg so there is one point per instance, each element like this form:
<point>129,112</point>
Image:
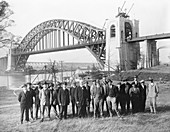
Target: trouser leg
<point>73,107</point>
<point>55,110</point>
<point>109,106</point>
<point>22,113</point>
<point>42,112</point>
<point>88,108</point>
<point>61,112</point>
<point>154,104</point>
<point>122,105</point>
<point>79,110</point>
<point>36,111</point>
<point>143,105</point>
<point>114,106</point>
<point>128,103</point>
<point>96,106</point>
<point>83,111</point>
<point>137,105</point>
<point>101,107</point>
<point>133,106</point>
<point>31,111</point>
<point>107,109</point>
<point>92,102</point>
<point>48,110</point>
<point>65,111</point>
<point>27,114</point>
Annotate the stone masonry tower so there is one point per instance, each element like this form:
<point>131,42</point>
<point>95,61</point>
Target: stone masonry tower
<point>119,53</point>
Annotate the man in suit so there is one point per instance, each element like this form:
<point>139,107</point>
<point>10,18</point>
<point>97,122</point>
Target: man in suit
<point>54,93</point>
<point>37,100</point>
<point>111,99</point>
<point>81,98</point>
<point>143,95</point>
<point>23,99</point>
<point>106,89</point>
<point>98,94</point>
<point>72,97</point>
<point>31,95</point>
<point>45,100</point>
<point>63,100</point>
<point>86,85</point>
<point>127,87</point>
<point>121,97</point>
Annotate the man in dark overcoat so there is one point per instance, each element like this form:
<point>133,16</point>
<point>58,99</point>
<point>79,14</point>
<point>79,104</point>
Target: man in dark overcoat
<point>81,98</point>
<point>23,99</point>
<point>63,100</point>
<point>88,100</point>
<point>31,95</point>
<point>72,97</point>
<point>37,100</point>
<point>127,87</point>
<point>143,95</point>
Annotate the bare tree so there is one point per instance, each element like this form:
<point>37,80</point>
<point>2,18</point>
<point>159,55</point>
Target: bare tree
<point>7,38</point>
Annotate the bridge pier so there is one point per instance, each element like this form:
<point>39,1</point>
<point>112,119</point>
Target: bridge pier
<point>3,64</point>
<point>10,60</point>
<point>121,55</point>
<point>149,53</point>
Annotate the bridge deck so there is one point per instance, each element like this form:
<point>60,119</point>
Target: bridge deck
<point>151,37</point>
<point>70,47</point>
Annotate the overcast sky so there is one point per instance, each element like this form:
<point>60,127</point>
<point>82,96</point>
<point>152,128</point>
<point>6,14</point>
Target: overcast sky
<point>153,15</point>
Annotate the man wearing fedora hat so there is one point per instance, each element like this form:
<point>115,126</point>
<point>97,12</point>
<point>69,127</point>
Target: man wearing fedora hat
<point>31,94</point>
<point>63,100</point>
<point>23,99</point>
<point>72,97</point>
<point>45,100</point>
<point>127,87</point>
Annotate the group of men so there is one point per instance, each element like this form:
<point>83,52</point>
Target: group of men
<point>87,99</point>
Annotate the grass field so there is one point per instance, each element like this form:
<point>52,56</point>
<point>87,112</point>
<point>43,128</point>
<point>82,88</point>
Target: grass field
<point>144,122</point>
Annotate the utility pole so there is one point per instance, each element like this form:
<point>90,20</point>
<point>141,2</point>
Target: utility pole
<point>45,72</point>
<point>61,63</point>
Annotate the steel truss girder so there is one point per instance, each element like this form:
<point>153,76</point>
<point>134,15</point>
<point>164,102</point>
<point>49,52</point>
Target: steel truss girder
<point>84,33</point>
<point>99,52</point>
<point>22,59</point>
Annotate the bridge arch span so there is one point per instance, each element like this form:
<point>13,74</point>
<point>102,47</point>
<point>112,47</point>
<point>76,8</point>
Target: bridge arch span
<point>87,36</point>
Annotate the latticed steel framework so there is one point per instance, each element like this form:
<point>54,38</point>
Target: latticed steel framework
<point>59,35</point>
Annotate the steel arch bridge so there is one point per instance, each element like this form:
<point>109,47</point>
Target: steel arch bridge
<point>60,35</point>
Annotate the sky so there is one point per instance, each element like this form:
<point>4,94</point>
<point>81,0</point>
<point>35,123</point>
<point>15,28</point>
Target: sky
<point>153,16</point>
